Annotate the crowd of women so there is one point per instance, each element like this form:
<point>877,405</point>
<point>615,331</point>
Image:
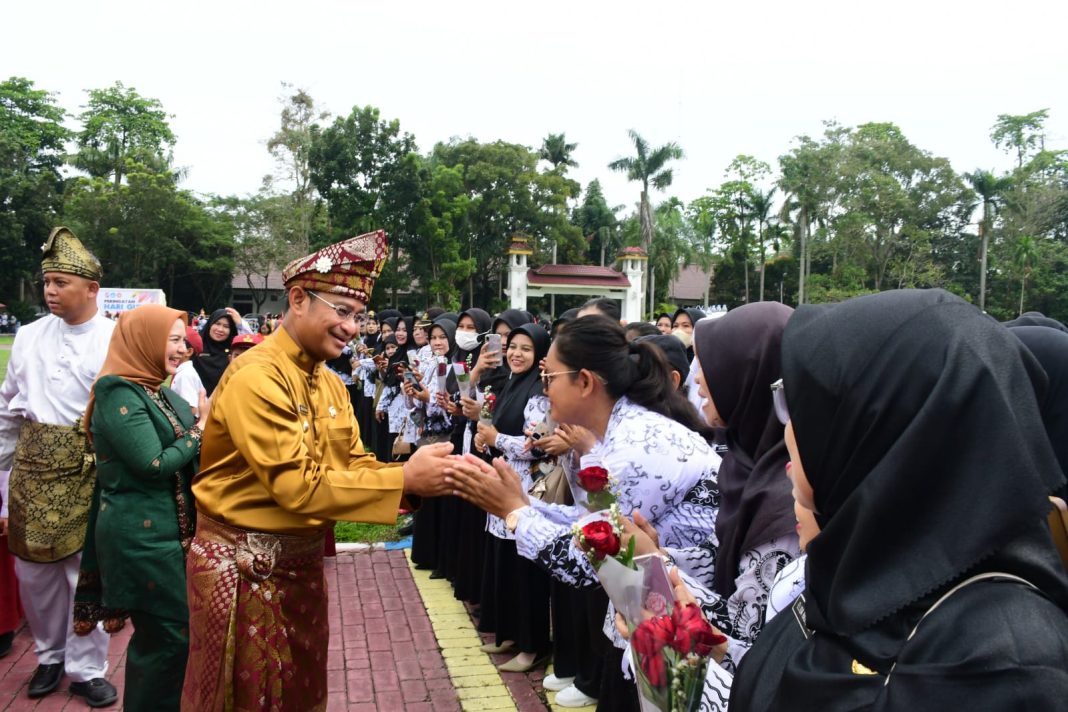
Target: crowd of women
<point>906,429</point>
<point>907,443</point>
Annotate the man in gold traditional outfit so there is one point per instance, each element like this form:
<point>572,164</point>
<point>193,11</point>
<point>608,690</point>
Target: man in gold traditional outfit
<point>54,362</point>
<point>281,460</point>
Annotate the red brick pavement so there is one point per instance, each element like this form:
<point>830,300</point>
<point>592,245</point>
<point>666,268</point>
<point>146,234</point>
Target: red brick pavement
<point>383,653</point>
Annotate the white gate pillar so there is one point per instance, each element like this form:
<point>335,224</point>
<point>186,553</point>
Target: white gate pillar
<point>518,252</point>
<point>632,258</point>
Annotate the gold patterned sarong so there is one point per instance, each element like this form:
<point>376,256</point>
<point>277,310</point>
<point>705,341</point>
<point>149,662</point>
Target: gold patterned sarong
<point>258,626</point>
<point>50,491</point>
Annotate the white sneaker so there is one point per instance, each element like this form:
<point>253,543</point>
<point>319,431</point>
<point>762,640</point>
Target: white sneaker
<point>571,696</point>
<point>554,683</point>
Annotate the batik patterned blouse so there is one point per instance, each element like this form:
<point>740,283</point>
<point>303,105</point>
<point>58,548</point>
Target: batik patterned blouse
<point>659,467</point>
<point>513,450</point>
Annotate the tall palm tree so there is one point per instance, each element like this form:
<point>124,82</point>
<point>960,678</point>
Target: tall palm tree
<point>989,188</point>
<point>556,150</point>
<point>1024,254</point>
<point>760,205</point>
<point>649,168</point>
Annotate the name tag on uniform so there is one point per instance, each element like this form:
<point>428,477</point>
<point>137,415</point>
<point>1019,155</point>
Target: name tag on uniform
<point>798,609</point>
<point>302,409</point>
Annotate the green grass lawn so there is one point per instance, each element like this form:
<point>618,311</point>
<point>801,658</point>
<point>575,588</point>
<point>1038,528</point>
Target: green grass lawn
<point>366,533</point>
<point>5,354</point>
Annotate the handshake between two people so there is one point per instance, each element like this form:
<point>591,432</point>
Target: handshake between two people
<point>433,471</point>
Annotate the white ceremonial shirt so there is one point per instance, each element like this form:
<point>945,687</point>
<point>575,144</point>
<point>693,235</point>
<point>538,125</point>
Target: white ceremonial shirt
<point>187,384</point>
<point>49,376</point>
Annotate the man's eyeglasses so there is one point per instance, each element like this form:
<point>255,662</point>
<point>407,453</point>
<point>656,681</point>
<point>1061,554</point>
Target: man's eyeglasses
<point>547,377</point>
<point>342,311</point>
<point>778,399</point>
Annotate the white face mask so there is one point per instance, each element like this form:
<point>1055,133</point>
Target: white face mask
<point>684,336</point>
<point>467,340</point>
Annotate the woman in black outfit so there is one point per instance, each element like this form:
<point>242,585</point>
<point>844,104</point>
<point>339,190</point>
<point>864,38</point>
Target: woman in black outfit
<point>215,357</point>
<point>916,438</point>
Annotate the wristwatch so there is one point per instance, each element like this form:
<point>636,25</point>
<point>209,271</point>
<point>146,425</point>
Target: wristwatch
<point>512,520</point>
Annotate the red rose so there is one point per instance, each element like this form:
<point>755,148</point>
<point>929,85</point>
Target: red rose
<point>443,368</point>
<point>692,632</point>
<point>655,669</point>
<point>593,479</point>
<point>652,635</point>
<point>600,537</point>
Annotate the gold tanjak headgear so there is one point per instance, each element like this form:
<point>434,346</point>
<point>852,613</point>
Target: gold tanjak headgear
<point>348,268</point>
<point>64,252</point>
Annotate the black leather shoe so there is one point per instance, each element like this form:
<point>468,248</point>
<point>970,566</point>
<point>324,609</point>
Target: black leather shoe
<point>45,680</point>
<point>98,692</point>
<point>5,643</point>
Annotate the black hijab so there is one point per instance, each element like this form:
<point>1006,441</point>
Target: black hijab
<point>919,430</point>
<point>215,357</point>
<point>740,356</point>
<point>1033,318</point>
<point>694,313</point>
<point>1050,347</point>
<point>448,326</point>
<point>370,340</point>
<point>500,376</point>
<point>521,387</point>
<point>514,318</point>
<point>400,356</point>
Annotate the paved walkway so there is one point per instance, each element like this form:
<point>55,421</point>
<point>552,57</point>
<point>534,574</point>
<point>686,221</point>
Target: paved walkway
<point>399,642</point>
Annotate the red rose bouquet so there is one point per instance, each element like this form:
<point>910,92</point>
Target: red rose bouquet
<point>442,374</point>
<point>594,488</point>
<point>463,378</point>
<point>489,401</point>
<point>670,654</point>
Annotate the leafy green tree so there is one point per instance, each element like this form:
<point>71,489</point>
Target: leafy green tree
<point>598,223</point>
<point>119,126</point>
<point>650,168</point>
<point>1020,133</point>
<point>989,188</point>
<point>507,196</point>
<point>32,138</point>
<point>264,241</point>
<point>557,151</point>
<point>809,180</point>
<point>761,204</point>
<point>897,197</point>
<point>291,148</point>
<point>148,233</point>
<point>352,163</point>
<point>1024,255</point>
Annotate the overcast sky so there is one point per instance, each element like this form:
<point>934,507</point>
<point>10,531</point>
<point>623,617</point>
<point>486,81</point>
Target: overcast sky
<point>719,78</point>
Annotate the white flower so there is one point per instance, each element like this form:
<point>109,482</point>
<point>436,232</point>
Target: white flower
<point>323,264</point>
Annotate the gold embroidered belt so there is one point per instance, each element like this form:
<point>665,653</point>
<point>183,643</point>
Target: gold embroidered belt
<point>51,490</point>
<point>257,553</point>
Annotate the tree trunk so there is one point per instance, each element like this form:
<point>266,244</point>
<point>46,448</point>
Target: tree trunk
<point>652,290</point>
<point>982,258</point>
<point>1023,285</point>
<point>745,264</point>
<point>393,295</point>
<point>801,257</point>
<point>763,259</point>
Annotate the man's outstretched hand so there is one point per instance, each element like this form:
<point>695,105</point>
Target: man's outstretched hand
<point>424,473</point>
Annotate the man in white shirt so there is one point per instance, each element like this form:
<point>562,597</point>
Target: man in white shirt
<point>53,364</point>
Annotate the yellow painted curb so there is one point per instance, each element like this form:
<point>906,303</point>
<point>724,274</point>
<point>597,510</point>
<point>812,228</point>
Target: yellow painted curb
<point>478,683</point>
